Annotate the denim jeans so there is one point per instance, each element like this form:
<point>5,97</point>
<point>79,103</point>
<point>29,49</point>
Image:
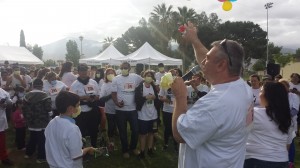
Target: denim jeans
<point>255,163</point>
<point>122,118</point>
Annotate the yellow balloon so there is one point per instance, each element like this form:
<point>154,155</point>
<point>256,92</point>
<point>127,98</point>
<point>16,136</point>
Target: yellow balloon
<point>227,5</point>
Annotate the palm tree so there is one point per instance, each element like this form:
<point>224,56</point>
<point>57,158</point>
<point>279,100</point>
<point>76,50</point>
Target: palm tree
<point>161,23</point>
<point>184,15</point>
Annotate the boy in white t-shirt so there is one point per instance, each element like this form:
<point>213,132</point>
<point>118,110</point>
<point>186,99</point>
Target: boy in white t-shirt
<point>63,137</point>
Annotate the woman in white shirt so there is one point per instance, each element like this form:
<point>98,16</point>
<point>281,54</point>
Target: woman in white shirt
<point>145,97</point>
<point>105,94</point>
<point>271,134</point>
<point>52,87</point>
<point>66,76</point>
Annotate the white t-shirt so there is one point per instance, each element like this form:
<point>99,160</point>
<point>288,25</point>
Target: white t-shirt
<point>53,90</point>
<point>214,129</point>
<point>295,86</point>
<point>84,90</point>
<point>68,78</point>
<point>3,120</point>
<point>148,111</point>
<point>167,107</point>
<point>256,97</point>
<point>63,143</point>
<point>158,76</point>
<point>100,83</point>
<point>106,89</point>
<point>193,95</point>
<point>28,81</point>
<point>125,87</point>
<point>266,142</point>
<point>294,103</point>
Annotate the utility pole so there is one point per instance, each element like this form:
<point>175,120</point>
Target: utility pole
<point>267,6</point>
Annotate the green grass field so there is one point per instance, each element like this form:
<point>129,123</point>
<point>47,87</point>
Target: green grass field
<point>165,159</point>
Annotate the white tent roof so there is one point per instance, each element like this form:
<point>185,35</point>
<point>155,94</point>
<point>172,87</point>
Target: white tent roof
<point>109,56</point>
<point>18,55</point>
<point>146,54</point>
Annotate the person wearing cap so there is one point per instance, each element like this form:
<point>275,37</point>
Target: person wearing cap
<point>36,110</point>
<point>6,64</point>
<point>88,91</point>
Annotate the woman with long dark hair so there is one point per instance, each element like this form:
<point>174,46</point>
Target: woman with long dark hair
<point>271,134</point>
<point>66,75</point>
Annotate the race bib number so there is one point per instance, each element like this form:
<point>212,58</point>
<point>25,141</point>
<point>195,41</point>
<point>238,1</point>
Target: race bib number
<point>149,103</point>
<point>89,89</point>
<point>129,87</point>
<point>54,91</point>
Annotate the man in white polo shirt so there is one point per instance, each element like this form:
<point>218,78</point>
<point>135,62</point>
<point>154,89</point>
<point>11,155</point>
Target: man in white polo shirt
<point>213,131</point>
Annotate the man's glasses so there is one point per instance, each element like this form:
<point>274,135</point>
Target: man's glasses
<point>223,44</point>
<point>124,68</point>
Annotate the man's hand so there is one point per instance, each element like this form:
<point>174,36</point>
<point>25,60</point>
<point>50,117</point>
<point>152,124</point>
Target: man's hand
<point>150,97</point>
<point>190,34</point>
<point>179,88</point>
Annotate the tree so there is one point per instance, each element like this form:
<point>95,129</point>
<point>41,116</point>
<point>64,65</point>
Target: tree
<point>162,25</point>
<point>184,15</point>
<point>250,35</point>
<point>297,55</point>
<point>259,65</point>
<point>107,42</point>
<point>50,63</point>
<point>283,60</point>
<point>37,51</point>
<point>73,53</point>
<point>22,39</point>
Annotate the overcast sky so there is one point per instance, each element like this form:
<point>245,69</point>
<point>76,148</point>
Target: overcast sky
<point>46,21</point>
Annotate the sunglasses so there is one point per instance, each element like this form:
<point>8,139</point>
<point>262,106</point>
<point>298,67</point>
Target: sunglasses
<point>224,46</point>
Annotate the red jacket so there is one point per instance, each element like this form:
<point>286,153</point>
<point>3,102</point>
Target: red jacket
<point>18,119</point>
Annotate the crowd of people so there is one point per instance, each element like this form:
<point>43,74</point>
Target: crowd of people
<point>215,119</point>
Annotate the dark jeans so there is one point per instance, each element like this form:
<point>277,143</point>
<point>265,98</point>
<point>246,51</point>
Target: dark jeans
<point>36,138</point>
<point>167,119</point>
<point>255,163</point>
<point>88,123</point>
<point>20,137</point>
<point>122,118</point>
<point>292,152</point>
<point>111,124</point>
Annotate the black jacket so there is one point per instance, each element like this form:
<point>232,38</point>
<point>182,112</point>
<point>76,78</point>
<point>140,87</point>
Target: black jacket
<point>140,99</point>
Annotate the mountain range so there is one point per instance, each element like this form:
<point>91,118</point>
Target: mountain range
<point>90,48</point>
<point>57,50</point>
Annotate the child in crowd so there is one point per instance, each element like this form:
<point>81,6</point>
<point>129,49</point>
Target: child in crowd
<point>19,124</point>
<point>63,137</point>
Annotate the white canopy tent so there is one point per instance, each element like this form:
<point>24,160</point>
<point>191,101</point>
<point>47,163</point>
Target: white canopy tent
<point>146,54</point>
<point>109,56</point>
<point>18,55</point>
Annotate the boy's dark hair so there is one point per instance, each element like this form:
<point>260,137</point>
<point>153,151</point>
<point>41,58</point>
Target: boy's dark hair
<point>160,65</point>
<point>65,99</point>
<point>37,83</point>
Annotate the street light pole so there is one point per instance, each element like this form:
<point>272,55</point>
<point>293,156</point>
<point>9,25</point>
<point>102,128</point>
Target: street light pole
<point>267,6</point>
<point>81,38</point>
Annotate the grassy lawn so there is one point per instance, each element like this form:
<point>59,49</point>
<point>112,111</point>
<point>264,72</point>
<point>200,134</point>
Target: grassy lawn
<point>165,159</point>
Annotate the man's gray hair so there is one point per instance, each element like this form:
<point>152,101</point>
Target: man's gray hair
<point>234,56</point>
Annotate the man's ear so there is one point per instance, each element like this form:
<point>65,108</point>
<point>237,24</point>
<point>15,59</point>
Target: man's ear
<point>222,65</point>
